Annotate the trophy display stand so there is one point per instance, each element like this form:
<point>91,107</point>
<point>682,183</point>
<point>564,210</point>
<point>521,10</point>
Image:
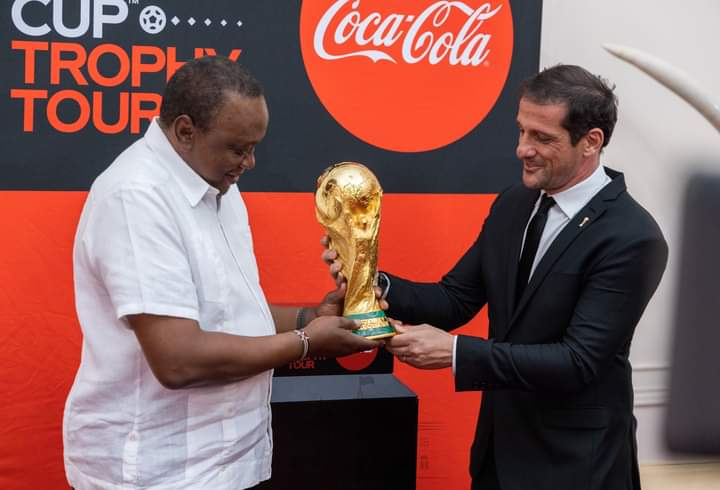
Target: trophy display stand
<point>345,432</point>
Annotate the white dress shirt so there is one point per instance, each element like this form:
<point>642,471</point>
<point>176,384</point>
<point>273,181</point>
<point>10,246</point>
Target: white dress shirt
<point>567,204</point>
<point>155,238</point>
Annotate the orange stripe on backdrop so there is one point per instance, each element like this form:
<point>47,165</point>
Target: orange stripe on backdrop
<point>422,236</point>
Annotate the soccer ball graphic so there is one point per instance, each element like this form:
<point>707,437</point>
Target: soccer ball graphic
<point>152,19</point>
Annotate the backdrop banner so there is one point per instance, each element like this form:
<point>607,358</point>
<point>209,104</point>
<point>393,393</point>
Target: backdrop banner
<point>422,92</point>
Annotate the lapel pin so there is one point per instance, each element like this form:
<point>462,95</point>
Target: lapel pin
<point>583,222</point>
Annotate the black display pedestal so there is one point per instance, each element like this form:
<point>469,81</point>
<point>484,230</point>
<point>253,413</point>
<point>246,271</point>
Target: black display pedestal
<point>343,432</point>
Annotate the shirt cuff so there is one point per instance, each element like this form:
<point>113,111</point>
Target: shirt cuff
<point>455,337</point>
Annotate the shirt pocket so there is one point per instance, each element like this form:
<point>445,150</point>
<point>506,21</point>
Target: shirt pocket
<point>211,283</point>
<point>210,276</point>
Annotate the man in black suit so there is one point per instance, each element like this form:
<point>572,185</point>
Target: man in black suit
<point>566,264</point>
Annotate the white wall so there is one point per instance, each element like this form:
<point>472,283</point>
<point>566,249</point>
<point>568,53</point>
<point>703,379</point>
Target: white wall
<point>657,137</point>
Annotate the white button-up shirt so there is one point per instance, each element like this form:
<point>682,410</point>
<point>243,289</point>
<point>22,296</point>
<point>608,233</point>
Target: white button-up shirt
<point>155,238</point>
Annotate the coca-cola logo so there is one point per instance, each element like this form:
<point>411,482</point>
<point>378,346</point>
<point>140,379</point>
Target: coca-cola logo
<point>410,80</point>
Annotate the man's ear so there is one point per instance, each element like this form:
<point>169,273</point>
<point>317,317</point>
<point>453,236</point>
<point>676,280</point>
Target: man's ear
<point>184,130</point>
<point>593,141</point>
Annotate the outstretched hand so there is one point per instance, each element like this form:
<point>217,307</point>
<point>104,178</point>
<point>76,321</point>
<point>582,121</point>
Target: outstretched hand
<point>332,336</point>
<point>422,346</point>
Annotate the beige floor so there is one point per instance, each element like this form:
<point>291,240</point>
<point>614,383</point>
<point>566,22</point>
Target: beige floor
<point>697,476</point>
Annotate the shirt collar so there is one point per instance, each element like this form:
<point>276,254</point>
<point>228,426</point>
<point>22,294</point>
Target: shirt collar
<point>193,186</point>
<point>572,200</point>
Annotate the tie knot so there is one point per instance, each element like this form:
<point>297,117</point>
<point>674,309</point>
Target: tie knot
<point>546,203</point>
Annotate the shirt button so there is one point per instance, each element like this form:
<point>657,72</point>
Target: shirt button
<point>132,437</point>
<point>229,412</point>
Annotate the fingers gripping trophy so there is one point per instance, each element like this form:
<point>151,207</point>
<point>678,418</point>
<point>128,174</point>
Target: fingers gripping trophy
<point>347,204</point>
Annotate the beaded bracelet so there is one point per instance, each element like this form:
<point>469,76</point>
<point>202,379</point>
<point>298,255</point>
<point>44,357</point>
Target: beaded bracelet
<point>305,340</point>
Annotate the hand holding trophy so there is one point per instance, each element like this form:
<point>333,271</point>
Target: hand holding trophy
<point>347,204</point>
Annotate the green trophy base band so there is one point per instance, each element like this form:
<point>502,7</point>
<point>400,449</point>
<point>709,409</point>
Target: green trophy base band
<point>373,325</point>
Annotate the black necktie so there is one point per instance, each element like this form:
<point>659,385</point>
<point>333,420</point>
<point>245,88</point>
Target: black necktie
<point>532,240</point>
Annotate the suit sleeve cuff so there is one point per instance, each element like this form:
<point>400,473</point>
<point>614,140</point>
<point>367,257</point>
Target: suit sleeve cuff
<point>471,357</point>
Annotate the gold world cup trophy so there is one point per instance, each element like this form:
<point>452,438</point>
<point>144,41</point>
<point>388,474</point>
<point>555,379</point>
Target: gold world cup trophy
<point>347,204</point>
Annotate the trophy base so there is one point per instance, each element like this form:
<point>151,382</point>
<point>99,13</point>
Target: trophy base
<point>373,325</point>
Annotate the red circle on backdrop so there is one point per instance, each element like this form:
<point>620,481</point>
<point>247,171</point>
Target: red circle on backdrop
<point>407,76</point>
<point>358,361</point>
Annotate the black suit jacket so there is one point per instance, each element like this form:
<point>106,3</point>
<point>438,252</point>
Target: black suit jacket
<point>558,395</point>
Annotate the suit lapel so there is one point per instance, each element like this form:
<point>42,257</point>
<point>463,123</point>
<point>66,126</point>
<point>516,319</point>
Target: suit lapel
<point>517,231</point>
<point>580,223</point>
<point>587,216</point>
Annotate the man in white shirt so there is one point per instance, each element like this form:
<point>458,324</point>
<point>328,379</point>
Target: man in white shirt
<point>566,264</point>
<point>173,389</point>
